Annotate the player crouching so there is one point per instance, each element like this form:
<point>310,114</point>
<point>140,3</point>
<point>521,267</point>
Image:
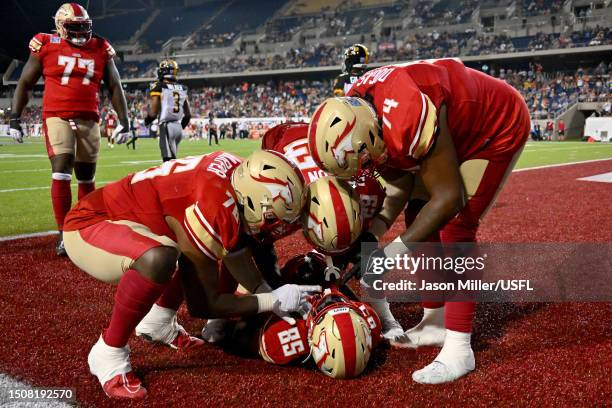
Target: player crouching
<point>132,232</point>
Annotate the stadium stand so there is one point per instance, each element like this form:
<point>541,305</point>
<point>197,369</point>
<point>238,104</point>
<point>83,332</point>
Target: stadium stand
<point>240,38</point>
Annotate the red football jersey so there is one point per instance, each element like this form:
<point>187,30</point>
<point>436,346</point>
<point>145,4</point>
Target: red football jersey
<point>111,122</point>
<point>195,190</point>
<point>72,75</point>
<point>291,139</point>
<point>281,343</point>
<point>483,112</point>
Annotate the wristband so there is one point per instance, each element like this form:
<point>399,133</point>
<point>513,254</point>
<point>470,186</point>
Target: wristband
<point>265,302</point>
<point>397,247</point>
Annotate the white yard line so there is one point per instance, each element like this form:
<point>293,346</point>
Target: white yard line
<point>25,236</point>
<point>548,166</point>
<point>13,190</point>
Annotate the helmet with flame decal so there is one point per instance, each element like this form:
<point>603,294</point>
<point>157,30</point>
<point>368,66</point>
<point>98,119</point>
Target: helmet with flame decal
<point>331,220</point>
<point>339,336</point>
<point>344,136</point>
<point>269,190</point>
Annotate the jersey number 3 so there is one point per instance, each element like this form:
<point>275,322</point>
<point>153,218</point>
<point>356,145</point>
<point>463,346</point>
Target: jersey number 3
<point>69,62</point>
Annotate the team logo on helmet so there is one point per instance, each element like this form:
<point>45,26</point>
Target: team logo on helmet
<point>339,336</point>
<point>332,216</point>
<point>73,24</point>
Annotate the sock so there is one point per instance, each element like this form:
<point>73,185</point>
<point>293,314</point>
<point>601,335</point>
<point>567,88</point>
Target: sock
<point>459,316</point>
<point>86,187</point>
<point>134,297</point>
<point>61,197</point>
<point>430,330</point>
<point>172,297</point>
<point>457,352</point>
<point>382,309</point>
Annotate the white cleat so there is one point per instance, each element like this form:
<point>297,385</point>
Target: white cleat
<point>106,362</point>
<point>161,326</point>
<point>393,332</point>
<point>455,360</point>
<point>430,331</point>
<point>214,330</point>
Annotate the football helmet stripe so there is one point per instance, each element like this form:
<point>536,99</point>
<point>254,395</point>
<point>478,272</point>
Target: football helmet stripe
<point>342,222</point>
<point>349,345</point>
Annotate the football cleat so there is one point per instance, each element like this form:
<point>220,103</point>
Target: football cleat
<point>161,326</point>
<point>430,331</point>
<point>394,334</point>
<point>60,250</point>
<point>112,367</point>
<point>455,360</point>
<point>125,386</point>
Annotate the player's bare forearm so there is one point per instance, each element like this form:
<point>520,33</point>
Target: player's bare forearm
<point>398,187</point>
<point>200,283</point>
<point>441,177</point>
<point>29,76</point>
<point>243,268</point>
<point>113,83</point>
<point>200,275</point>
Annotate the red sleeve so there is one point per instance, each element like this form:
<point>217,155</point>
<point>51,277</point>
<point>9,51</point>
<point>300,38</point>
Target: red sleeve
<point>282,343</point>
<point>212,224</point>
<point>37,42</point>
<point>409,117</point>
<point>109,51</point>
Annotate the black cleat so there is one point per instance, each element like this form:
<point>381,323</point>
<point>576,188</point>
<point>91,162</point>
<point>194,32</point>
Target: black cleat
<point>60,250</point>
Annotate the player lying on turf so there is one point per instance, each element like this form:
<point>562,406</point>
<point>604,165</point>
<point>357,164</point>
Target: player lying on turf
<point>340,333</point>
<point>132,232</point>
<point>462,132</point>
<point>291,139</point>
<point>73,62</point>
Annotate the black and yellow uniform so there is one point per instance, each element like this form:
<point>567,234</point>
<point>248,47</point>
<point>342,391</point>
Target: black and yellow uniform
<point>356,58</point>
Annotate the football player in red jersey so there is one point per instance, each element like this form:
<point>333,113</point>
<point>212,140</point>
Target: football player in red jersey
<point>73,63</point>
<point>132,232</point>
<point>111,124</point>
<point>291,139</point>
<point>461,131</point>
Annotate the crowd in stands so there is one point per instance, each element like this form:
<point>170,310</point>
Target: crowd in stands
<point>416,46</point>
<point>546,93</point>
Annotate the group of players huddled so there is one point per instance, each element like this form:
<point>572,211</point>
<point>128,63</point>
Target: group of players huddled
<point>440,137</point>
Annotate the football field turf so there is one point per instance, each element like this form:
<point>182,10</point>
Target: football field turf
<point>25,171</point>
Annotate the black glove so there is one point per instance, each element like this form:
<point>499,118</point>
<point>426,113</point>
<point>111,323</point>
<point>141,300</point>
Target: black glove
<point>15,130</point>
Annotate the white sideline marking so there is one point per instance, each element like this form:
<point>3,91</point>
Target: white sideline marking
<point>548,166</point>
<point>19,156</point>
<point>600,178</point>
<point>24,236</point>
<point>12,190</point>
<point>7,382</point>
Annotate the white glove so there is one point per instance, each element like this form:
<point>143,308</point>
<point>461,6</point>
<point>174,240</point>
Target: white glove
<point>15,130</point>
<point>155,126</point>
<point>120,134</point>
<point>286,299</point>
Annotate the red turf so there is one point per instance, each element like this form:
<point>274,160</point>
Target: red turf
<point>527,354</point>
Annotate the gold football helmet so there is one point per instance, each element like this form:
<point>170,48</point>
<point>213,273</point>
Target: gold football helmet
<point>340,338</point>
<point>168,70</point>
<point>331,220</point>
<point>344,136</point>
<point>269,189</point>
<point>73,24</point>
